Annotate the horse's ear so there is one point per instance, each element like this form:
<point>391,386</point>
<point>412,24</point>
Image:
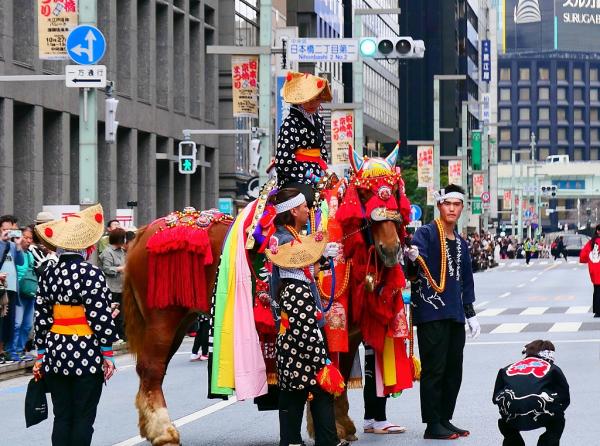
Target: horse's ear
<point>393,157</point>
<point>356,161</point>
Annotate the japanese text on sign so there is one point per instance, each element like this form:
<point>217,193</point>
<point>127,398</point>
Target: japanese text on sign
<point>455,172</point>
<point>425,166</point>
<point>342,135</point>
<point>244,73</point>
<point>56,18</point>
<point>322,50</point>
<point>486,61</point>
<point>478,180</point>
<point>507,200</point>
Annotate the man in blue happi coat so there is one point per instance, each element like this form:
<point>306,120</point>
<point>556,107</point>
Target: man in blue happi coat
<point>442,299</point>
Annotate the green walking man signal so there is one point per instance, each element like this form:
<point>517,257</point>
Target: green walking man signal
<point>187,157</point>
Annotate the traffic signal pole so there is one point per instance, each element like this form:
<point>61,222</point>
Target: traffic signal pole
<point>88,126</point>
<point>264,98</point>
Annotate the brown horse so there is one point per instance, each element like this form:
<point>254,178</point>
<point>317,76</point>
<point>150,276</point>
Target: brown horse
<point>155,335</point>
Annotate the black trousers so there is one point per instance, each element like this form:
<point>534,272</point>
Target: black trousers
<point>117,298</point>
<point>201,339</point>
<point>8,323</point>
<point>291,410</point>
<point>75,400</point>
<point>441,345</point>
<point>554,430</point>
<point>562,253</point>
<point>374,405</point>
<point>527,257</point>
<point>596,304</point>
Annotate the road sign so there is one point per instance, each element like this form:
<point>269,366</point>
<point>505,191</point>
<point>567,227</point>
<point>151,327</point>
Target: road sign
<point>415,224</point>
<point>527,213</point>
<point>322,50</point>
<point>85,76</point>
<point>415,212</point>
<point>485,197</point>
<point>225,205</point>
<point>86,45</point>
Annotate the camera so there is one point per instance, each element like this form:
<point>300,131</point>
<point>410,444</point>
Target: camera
<point>15,233</point>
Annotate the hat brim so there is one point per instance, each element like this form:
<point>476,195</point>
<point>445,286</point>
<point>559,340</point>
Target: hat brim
<point>75,232</point>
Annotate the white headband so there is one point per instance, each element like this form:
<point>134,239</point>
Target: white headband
<point>441,195</point>
<point>290,204</point>
<point>547,355</point>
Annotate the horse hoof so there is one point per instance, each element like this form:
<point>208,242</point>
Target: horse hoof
<point>351,437</point>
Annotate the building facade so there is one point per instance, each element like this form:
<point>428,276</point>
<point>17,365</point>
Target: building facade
<point>165,83</point>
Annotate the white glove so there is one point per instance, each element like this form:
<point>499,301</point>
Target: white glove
<point>474,327</point>
<point>411,252</point>
<point>332,249</point>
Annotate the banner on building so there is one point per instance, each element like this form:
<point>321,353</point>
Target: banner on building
<point>485,107</point>
<point>478,182</point>
<point>486,61</point>
<point>56,19</point>
<point>455,172</point>
<point>476,208</point>
<point>430,199</point>
<point>425,166</point>
<point>507,200</point>
<point>244,73</point>
<point>342,136</point>
<point>476,149</point>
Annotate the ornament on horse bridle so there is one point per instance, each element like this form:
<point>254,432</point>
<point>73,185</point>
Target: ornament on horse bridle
<point>203,221</point>
<point>370,282</point>
<point>384,192</point>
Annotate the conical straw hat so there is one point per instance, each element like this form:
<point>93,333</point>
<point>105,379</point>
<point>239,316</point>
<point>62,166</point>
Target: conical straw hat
<point>300,88</point>
<point>74,232</point>
<point>298,255</point>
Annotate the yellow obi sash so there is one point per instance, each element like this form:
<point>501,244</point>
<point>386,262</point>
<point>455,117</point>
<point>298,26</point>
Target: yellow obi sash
<point>70,320</point>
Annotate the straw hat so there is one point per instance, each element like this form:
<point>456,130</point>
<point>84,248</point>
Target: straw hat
<point>43,217</point>
<point>300,88</point>
<point>75,232</point>
<point>298,255</point>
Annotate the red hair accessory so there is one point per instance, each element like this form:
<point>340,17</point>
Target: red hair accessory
<point>98,217</point>
<point>48,232</point>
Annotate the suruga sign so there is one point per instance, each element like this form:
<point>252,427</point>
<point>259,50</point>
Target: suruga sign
<point>586,12</point>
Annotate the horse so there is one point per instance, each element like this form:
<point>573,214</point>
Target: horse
<point>154,334</point>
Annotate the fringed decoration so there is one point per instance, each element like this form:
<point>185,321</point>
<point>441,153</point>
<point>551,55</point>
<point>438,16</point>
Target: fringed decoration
<point>176,260</point>
<point>355,383</point>
<point>415,364</point>
<point>331,380</point>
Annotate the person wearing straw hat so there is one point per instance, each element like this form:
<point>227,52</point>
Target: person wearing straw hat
<point>74,330</point>
<point>301,156</point>
<point>43,257</point>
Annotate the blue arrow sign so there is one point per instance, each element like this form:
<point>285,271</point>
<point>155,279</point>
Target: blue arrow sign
<point>415,212</point>
<point>86,45</point>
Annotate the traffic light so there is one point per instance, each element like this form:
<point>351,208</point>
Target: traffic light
<point>187,157</point>
<point>549,191</point>
<point>391,48</point>
<point>110,120</point>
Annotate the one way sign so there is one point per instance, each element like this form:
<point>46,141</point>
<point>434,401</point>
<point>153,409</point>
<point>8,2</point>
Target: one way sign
<point>85,76</point>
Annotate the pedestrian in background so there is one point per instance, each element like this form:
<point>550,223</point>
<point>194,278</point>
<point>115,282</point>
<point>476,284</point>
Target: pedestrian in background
<point>590,254</point>
<point>74,330</point>
<point>112,262</point>
<point>104,242</point>
<point>527,246</point>
<point>43,256</point>
<point>532,393</point>
<point>560,249</point>
<point>200,347</point>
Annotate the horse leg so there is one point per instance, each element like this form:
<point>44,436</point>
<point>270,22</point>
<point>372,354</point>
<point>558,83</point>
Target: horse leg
<point>345,426</point>
<point>159,335</point>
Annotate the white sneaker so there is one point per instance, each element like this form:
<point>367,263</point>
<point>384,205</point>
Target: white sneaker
<point>195,357</point>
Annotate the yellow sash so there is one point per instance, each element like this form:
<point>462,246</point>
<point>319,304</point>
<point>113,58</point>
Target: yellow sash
<point>70,320</point>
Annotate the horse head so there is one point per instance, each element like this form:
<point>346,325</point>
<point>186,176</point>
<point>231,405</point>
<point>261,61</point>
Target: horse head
<point>376,194</point>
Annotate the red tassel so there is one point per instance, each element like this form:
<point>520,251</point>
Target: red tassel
<point>331,380</point>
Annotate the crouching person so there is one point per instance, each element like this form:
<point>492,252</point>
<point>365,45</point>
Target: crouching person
<point>532,393</point>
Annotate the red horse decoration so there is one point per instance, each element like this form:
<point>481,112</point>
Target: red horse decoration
<point>172,268</point>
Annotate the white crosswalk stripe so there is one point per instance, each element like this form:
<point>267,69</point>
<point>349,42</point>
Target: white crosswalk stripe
<point>565,327</point>
<point>491,312</point>
<point>512,327</point>
<point>578,310</point>
<point>533,311</point>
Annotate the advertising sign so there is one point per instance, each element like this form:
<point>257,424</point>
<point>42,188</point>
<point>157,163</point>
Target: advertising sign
<point>125,217</point>
<point>476,206</point>
<point>476,149</point>
<point>455,172</point>
<point>425,166</point>
<point>56,19</point>
<point>342,136</point>
<point>485,107</point>
<point>486,61</point>
<point>478,180</point>
<point>507,200</point>
<point>244,73</point>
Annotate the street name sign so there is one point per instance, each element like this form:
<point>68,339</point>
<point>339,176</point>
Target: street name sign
<point>322,50</point>
<point>85,76</point>
<point>86,45</point>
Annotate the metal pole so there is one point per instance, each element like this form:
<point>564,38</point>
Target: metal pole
<point>512,193</point>
<point>520,210</point>
<point>88,126</point>
<point>264,98</point>
<point>485,140</point>
<point>436,140</point>
<point>357,89</point>
<point>462,153</point>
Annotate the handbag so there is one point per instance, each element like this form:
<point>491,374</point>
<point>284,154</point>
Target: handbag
<point>36,404</point>
<point>28,284</point>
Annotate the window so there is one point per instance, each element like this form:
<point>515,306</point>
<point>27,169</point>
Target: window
<point>577,74</point>
<point>578,114</point>
<point>561,74</point>
<point>523,94</point>
<point>593,95</point>
<point>505,154</point>
<point>524,114</point>
<point>594,135</point>
<point>524,134</point>
<point>543,153</point>
<point>593,115</point>
<point>544,74</point>
<point>561,114</point>
<point>578,154</point>
<point>505,135</point>
<point>544,114</point>
<point>505,94</point>
<point>505,114</point>
<point>543,94</point>
<point>504,74</point>
<point>543,134</point>
<point>562,151</point>
<point>523,74</point>
<point>595,153</point>
<point>578,94</point>
<point>561,94</point>
<point>594,74</point>
<point>561,134</point>
<point>578,135</point>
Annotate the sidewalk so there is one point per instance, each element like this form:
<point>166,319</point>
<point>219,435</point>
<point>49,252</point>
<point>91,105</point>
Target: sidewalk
<point>8,371</point>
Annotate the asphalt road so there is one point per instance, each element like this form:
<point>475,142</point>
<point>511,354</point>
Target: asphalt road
<point>516,304</point>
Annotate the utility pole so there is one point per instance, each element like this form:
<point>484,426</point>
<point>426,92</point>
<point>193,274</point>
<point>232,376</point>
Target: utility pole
<point>463,151</point>
<point>88,125</point>
<point>264,94</point>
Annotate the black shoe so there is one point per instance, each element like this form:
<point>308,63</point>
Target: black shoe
<point>435,431</point>
<point>453,428</point>
<point>596,315</point>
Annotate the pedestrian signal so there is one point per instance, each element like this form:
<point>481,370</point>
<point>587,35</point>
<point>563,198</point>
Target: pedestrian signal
<point>110,120</point>
<point>187,157</point>
<point>391,48</point>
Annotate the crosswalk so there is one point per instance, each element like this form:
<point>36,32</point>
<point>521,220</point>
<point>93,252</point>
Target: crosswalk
<point>538,327</point>
<point>534,311</point>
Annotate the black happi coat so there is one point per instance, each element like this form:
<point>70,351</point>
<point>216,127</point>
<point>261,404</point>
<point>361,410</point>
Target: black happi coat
<point>297,132</point>
<point>73,281</point>
<point>530,392</point>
